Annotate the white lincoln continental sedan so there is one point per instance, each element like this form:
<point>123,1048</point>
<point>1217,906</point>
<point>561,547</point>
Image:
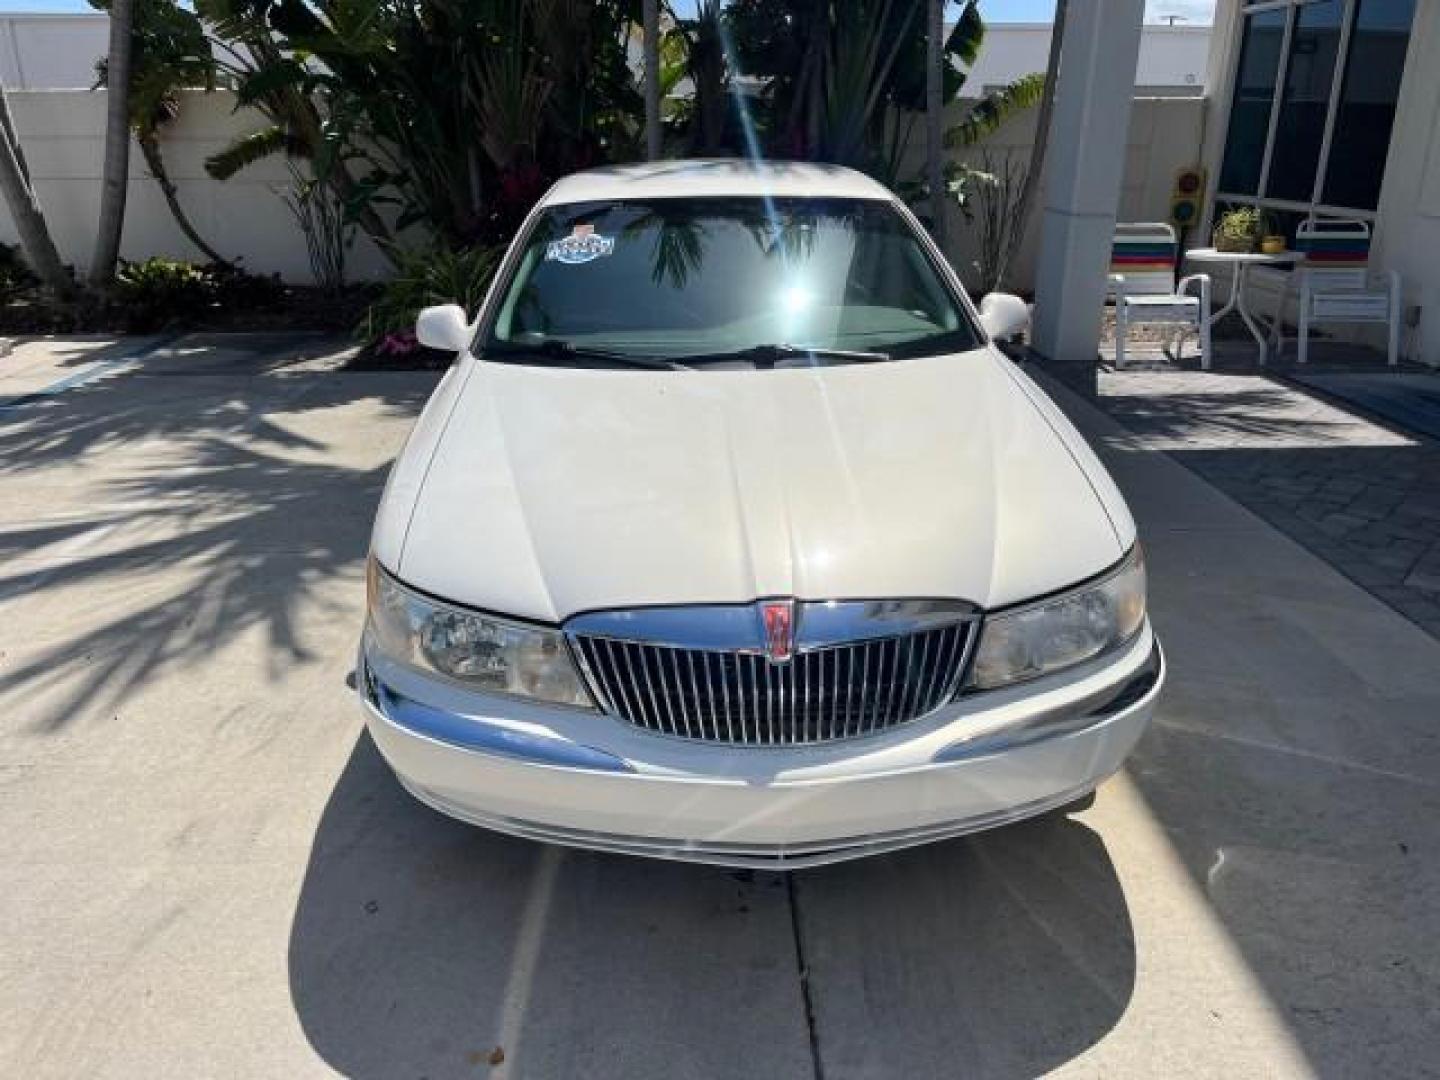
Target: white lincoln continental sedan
<point>730,536</point>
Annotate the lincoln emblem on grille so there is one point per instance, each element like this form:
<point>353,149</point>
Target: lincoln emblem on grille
<point>778,617</point>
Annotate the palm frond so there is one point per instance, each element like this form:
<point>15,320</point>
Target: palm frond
<point>967,35</point>
<point>996,107</point>
<point>251,148</point>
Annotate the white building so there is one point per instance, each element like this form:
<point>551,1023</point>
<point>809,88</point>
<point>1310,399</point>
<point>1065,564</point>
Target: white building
<point>1172,62</point>
<point>51,52</point>
<point>1331,108</point>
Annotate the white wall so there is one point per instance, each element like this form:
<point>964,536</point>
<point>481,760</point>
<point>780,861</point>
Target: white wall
<point>63,135</point>
<point>51,52</point>
<point>1172,59</point>
<point>1164,136</point>
<point>58,52</point>
<point>1407,237</point>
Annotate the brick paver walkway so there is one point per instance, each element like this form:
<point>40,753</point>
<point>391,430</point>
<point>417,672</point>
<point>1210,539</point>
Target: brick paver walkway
<point>1362,497</point>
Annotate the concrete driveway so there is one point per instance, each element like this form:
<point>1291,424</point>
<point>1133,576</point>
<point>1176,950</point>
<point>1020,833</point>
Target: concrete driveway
<point>206,870</point>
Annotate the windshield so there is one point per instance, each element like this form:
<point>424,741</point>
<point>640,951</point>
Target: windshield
<point>710,277</point>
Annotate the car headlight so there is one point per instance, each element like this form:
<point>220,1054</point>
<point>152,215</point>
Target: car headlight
<point>477,650</point>
<point>1067,630</point>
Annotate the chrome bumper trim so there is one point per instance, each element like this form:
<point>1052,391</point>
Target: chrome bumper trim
<point>482,735</point>
<point>798,856</point>
<point>1073,719</point>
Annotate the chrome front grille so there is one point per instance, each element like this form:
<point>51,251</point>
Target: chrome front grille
<point>893,663</point>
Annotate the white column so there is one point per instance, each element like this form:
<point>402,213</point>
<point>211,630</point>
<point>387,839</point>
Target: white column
<point>1219,88</point>
<point>1084,167</point>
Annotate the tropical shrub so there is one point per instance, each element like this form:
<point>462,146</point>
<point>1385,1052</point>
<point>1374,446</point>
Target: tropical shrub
<point>450,115</point>
<point>1238,229</point>
<point>15,275</point>
<point>423,279</point>
<point>328,235</point>
<point>169,52</point>
<point>999,183</point>
<point>161,292</point>
<point>845,79</point>
<point>232,288</point>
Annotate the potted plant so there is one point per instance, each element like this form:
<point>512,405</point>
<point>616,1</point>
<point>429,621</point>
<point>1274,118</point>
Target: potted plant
<point>1272,234</point>
<point>1238,230</point>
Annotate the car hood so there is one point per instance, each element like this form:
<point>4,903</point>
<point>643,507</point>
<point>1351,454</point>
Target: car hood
<point>558,490</point>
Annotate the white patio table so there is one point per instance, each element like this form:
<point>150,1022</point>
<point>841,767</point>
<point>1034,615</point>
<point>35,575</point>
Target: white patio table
<point>1240,263</point>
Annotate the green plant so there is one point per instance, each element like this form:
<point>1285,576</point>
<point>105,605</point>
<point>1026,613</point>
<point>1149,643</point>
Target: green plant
<point>998,192</point>
<point>233,288</point>
<point>1238,229</point>
<point>30,226</point>
<point>422,279</point>
<point>159,292</point>
<point>328,236</point>
<point>700,55</point>
<point>15,276</point>
<point>168,52</point>
<point>991,111</point>
<point>450,115</point>
<point>833,71</point>
<point>844,81</point>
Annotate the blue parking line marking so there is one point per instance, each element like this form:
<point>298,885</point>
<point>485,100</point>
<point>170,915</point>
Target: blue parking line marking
<point>97,370</point>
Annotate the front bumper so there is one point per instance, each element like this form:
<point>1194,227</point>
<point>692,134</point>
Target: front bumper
<point>581,778</point>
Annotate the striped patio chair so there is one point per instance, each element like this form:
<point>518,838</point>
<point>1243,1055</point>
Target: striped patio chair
<point>1336,285</point>
<point>1142,284</point>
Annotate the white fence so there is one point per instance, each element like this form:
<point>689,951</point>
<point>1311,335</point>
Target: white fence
<point>63,133</point>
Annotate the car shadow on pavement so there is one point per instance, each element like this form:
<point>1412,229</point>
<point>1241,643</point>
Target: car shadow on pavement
<point>424,947</point>
<point>1005,954</point>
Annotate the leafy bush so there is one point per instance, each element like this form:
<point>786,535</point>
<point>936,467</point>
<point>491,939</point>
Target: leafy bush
<point>422,279</point>
<point>231,287</point>
<point>15,275</point>
<point>161,292</point>
<point>1238,229</point>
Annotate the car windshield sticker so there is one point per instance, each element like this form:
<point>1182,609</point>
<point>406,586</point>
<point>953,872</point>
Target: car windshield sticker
<point>583,245</point>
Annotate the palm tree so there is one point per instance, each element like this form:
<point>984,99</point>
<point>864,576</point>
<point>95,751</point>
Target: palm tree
<point>252,54</point>
<point>934,115</point>
<point>24,208</point>
<point>651,45</point>
<point>704,60</point>
<point>117,148</point>
<point>169,52</point>
<point>1042,121</point>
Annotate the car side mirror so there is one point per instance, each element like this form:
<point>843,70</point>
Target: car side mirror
<point>1004,316</point>
<point>443,327</point>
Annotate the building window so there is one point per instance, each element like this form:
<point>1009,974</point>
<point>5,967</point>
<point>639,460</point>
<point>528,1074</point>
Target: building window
<point>1366,110</point>
<point>1253,101</point>
<point>1314,102</point>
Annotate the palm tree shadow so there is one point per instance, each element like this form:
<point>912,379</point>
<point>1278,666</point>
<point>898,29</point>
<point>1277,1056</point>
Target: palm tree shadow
<point>419,945</point>
<point>214,507</point>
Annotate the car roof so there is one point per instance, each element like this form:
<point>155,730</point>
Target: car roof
<point>715,177</point>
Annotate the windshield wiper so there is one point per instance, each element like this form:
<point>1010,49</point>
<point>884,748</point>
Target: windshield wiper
<point>568,351</point>
<point>770,355</point>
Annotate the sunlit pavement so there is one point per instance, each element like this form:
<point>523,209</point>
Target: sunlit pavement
<point>1363,497</point>
<point>207,871</point>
